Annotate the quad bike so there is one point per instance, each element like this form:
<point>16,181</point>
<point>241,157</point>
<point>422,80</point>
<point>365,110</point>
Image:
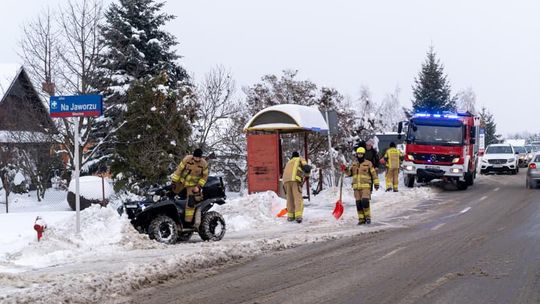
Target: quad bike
<point>161,214</point>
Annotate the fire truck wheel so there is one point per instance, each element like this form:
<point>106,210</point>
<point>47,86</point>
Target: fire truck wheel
<point>469,178</point>
<point>462,185</point>
<point>408,180</point>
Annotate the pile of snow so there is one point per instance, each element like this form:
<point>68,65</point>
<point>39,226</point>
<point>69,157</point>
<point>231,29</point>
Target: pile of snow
<point>102,231</point>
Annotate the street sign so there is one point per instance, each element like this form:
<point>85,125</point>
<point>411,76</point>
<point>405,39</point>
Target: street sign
<point>331,120</point>
<point>482,140</point>
<point>76,106</point>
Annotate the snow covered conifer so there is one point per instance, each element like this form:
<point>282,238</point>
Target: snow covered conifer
<point>490,127</point>
<point>431,91</point>
<point>153,137</point>
<point>137,50</point>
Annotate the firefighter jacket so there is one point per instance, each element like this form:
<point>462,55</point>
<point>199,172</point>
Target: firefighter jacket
<point>190,172</point>
<point>293,171</point>
<point>393,158</point>
<point>363,175</point>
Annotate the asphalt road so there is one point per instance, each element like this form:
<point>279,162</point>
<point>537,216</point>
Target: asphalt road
<point>481,245</point>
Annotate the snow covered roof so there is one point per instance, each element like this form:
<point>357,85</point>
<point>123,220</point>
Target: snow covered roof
<point>8,74</point>
<point>288,118</point>
<point>25,137</point>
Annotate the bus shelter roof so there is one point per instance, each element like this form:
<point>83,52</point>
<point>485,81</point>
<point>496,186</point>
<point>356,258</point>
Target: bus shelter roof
<point>288,118</point>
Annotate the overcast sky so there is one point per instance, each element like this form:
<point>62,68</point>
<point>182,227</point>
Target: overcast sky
<point>491,46</point>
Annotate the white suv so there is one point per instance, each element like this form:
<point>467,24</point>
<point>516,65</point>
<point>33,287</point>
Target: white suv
<point>500,158</point>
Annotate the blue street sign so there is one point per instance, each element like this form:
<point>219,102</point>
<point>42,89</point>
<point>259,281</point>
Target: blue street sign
<point>76,106</point>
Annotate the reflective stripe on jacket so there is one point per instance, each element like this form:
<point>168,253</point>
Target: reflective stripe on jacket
<point>293,170</point>
<point>393,158</point>
<point>363,175</point>
<point>191,172</point>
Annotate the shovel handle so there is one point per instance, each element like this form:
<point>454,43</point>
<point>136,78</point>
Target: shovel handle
<point>341,185</point>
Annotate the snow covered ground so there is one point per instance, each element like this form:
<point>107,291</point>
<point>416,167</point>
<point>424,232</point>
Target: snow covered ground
<point>109,258</point>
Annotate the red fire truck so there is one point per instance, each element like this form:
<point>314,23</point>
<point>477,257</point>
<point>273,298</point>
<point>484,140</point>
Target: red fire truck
<point>441,146</point>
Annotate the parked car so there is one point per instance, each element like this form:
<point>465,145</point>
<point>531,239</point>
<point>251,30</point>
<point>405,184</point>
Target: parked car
<point>521,154</point>
<point>500,158</point>
<point>533,172</point>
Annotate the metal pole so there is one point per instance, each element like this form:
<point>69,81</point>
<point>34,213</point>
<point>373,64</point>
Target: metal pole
<point>103,188</point>
<point>332,170</point>
<point>77,173</point>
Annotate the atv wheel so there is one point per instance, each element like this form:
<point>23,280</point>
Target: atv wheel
<point>185,236</point>
<point>212,227</point>
<point>163,229</point>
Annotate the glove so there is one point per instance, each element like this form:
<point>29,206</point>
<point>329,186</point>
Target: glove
<point>342,167</point>
<point>175,178</point>
<point>377,187</point>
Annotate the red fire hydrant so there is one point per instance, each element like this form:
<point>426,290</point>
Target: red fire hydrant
<point>39,227</point>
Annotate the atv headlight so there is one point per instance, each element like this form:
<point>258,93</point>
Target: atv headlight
<point>156,198</point>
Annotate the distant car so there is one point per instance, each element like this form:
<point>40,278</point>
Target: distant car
<point>530,152</point>
<point>533,172</point>
<point>500,158</point>
<point>521,154</point>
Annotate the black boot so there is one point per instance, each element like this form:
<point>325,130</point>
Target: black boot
<point>368,221</point>
<point>299,220</point>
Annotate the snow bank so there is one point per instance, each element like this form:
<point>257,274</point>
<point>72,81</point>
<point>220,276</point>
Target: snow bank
<point>102,231</point>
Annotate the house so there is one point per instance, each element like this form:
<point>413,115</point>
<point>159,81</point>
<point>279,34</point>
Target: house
<point>25,124</point>
<point>22,108</point>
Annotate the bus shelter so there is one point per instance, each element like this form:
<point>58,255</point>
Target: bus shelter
<point>265,132</point>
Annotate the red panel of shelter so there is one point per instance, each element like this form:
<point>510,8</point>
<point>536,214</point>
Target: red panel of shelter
<point>263,162</point>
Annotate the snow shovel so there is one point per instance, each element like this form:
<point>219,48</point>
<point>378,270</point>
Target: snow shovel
<point>283,212</point>
<point>338,210</point>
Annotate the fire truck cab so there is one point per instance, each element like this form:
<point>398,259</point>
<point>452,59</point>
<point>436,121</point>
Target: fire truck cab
<point>441,146</point>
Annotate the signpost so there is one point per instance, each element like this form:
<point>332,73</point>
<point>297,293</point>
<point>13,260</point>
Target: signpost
<point>76,106</point>
<point>482,141</point>
<point>332,122</point>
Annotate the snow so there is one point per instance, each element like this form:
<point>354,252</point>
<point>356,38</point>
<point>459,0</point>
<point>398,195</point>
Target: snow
<point>110,259</point>
<point>23,137</point>
<point>18,179</point>
<point>306,118</point>
<point>90,187</point>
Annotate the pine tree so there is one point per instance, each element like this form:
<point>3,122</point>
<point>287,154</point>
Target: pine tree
<point>490,127</point>
<point>153,136</point>
<point>137,50</point>
<point>431,91</point>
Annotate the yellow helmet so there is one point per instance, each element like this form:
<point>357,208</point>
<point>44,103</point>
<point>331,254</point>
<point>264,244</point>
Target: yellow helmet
<point>361,150</point>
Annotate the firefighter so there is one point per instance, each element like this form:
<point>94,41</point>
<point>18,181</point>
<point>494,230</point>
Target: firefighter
<point>191,174</point>
<point>392,158</point>
<point>372,154</point>
<point>293,176</point>
<point>364,177</point>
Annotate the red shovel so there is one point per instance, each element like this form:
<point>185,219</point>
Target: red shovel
<point>338,210</point>
<point>283,212</point>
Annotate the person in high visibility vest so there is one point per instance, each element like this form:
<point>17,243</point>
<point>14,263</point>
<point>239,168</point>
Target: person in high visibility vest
<point>363,177</point>
<point>191,174</point>
<point>393,157</point>
<point>294,173</point>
